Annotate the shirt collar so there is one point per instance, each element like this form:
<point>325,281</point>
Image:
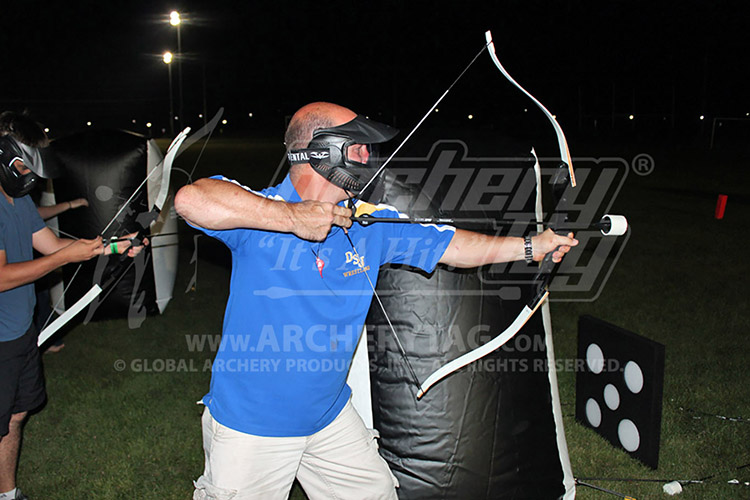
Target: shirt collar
<point>287,192</point>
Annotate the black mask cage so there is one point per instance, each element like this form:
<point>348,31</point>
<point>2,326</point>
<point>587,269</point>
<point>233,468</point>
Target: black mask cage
<point>328,155</point>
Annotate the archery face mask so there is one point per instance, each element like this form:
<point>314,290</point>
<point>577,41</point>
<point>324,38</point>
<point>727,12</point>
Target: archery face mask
<point>336,154</point>
<point>12,152</point>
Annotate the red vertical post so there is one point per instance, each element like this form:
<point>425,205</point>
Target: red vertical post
<point>721,205</point>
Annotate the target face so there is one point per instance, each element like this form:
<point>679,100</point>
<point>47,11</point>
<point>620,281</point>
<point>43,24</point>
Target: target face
<point>619,387</point>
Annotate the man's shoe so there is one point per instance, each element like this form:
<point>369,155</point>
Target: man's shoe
<point>17,496</point>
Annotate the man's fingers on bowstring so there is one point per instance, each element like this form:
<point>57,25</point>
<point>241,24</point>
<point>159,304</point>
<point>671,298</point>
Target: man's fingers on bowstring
<point>340,220</point>
<point>343,211</point>
<point>342,216</point>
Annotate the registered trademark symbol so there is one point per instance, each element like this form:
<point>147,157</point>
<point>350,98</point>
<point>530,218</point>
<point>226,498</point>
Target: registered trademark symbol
<point>643,164</point>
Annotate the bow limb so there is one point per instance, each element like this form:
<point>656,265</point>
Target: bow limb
<point>471,356</point>
<point>542,279</point>
<point>166,164</point>
<point>172,152</point>
<point>50,330</point>
<point>547,267</point>
<point>561,141</point>
<point>180,141</point>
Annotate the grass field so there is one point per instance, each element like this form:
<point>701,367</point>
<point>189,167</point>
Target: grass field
<point>110,433</point>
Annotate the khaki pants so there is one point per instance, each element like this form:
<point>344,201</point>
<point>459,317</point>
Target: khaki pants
<point>339,462</point>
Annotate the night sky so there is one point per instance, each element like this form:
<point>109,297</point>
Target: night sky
<point>70,62</point>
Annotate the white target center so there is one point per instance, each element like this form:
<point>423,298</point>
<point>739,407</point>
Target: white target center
<point>633,377</point>
<point>104,193</point>
<point>628,434</point>
<point>593,413</point>
<point>595,358</point>
<point>611,397</point>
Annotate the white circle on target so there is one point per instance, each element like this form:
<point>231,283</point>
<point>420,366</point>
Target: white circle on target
<point>630,439</point>
<point>593,413</point>
<point>611,397</point>
<point>633,377</point>
<point>595,358</point>
<point>104,193</point>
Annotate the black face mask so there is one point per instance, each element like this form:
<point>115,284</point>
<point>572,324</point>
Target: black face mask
<point>327,154</point>
<point>14,183</point>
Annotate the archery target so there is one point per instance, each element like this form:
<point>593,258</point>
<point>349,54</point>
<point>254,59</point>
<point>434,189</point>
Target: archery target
<point>619,389</point>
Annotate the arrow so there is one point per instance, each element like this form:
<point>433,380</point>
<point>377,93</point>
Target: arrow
<point>609,225</point>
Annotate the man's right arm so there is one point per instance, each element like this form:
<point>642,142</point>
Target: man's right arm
<point>216,204</point>
<point>20,273</point>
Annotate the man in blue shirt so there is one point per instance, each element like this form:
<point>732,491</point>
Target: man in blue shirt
<point>21,232</point>
<point>302,282</point>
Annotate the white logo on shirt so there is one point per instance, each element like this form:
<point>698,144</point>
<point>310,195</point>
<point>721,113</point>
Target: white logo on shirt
<point>359,260</point>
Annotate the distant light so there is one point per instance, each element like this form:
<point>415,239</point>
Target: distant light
<point>747,114</point>
<point>250,115</point>
<point>176,117</point>
<point>436,110</point>
<point>46,130</point>
<point>148,125</point>
<point>174,18</point>
<point>554,117</point>
<point>167,57</point>
<point>224,121</point>
<point>133,120</point>
<point>88,124</point>
<point>525,110</point>
<point>702,117</point>
<point>200,115</point>
<point>631,117</point>
<point>471,117</point>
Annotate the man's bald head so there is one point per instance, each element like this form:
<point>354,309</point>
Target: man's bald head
<point>311,117</point>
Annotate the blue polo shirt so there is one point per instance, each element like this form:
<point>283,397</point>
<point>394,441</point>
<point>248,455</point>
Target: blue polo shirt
<point>291,325</point>
<point>18,223</point>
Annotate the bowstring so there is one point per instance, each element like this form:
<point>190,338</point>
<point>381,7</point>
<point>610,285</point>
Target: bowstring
<point>80,265</point>
<point>385,313</point>
<point>373,178</point>
<point>419,124</point>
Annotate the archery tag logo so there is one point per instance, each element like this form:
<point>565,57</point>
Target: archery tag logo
<point>516,196</point>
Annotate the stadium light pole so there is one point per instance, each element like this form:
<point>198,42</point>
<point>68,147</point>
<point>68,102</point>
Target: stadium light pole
<point>176,21</point>
<point>167,58</point>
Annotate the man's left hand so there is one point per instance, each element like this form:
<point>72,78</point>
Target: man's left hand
<point>549,241</point>
<point>125,244</point>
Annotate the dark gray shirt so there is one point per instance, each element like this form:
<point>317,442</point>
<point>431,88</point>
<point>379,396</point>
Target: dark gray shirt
<point>18,222</point>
